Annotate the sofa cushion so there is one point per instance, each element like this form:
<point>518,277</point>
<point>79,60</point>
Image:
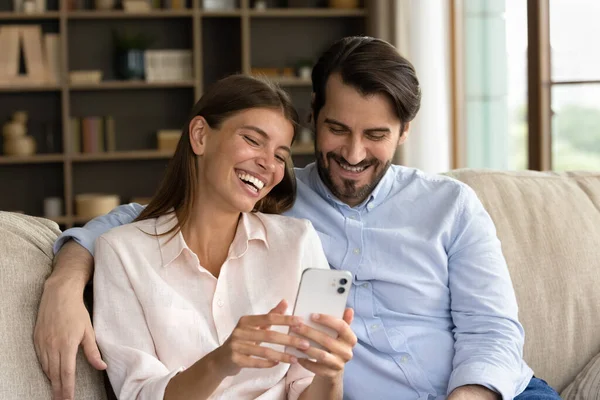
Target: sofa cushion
<point>25,263</point>
<point>587,384</point>
<point>549,226</point>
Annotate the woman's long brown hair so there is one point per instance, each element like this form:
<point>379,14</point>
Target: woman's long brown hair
<point>222,100</point>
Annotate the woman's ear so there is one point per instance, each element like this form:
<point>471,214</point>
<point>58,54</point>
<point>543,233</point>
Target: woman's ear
<point>198,131</point>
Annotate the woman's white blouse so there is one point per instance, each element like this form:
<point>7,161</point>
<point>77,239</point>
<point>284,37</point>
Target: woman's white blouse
<point>157,310</point>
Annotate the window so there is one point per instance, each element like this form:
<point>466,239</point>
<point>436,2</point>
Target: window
<point>532,84</point>
<point>575,94</point>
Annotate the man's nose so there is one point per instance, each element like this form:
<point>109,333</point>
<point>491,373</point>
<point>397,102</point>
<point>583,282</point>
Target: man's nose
<point>354,151</point>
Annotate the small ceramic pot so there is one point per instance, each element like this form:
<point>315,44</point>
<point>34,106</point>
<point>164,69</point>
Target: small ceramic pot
<point>19,146</point>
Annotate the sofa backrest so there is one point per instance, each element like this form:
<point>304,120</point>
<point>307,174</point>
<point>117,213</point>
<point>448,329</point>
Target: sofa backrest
<point>25,263</point>
<point>549,226</point>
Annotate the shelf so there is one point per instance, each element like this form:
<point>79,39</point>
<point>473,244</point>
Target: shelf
<point>30,88</point>
<point>13,16</point>
<point>221,13</point>
<point>290,81</point>
<point>303,149</point>
<point>34,159</point>
<point>307,12</point>
<point>122,155</point>
<point>120,14</point>
<point>123,85</point>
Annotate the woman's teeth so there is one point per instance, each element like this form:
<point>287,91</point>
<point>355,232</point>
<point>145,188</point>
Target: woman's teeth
<point>252,182</point>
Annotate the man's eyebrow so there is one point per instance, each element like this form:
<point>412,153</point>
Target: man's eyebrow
<point>382,129</point>
<point>265,135</point>
<point>334,122</point>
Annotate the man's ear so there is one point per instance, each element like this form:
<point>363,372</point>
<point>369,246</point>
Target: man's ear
<point>404,134</point>
<point>198,131</point>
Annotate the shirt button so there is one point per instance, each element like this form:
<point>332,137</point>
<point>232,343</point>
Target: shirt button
<point>352,217</point>
<point>220,303</point>
<point>374,327</point>
<point>365,285</point>
<point>370,206</point>
<point>405,358</point>
<point>357,251</point>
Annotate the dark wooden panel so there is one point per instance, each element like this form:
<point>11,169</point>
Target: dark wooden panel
<point>138,114</point>
<point>24,187</point>
<point>271,38</point>
<point>91,41</point>
<point>127,179</point>
<point>221,48</point>
<point>44,117</point>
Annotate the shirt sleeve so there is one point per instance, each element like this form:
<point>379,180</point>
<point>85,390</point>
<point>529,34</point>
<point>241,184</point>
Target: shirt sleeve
<point>87,235</point>
<point>488,336</point>
<point>122,334</point>
<point>313,256</point>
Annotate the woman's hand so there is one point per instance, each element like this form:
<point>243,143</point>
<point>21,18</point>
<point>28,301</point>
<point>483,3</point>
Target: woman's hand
<point>329,363</point>
<point>243,350</point>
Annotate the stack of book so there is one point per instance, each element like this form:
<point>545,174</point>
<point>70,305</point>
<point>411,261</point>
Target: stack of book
<point>41,54</point>
<point>168,65</point>
<point>92,134</point>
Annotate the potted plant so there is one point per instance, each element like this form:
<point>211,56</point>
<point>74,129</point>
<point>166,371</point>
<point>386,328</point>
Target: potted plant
<point>304,68</point>
<point>129,55</point>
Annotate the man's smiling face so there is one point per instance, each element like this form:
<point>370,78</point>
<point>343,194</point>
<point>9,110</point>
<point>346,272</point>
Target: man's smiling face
<point>356,138</point>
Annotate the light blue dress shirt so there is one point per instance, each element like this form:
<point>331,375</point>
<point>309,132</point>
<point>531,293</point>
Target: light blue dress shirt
<point>434,303</point>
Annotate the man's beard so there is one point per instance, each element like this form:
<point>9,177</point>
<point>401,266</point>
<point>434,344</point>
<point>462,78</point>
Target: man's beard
<point>349,190</point>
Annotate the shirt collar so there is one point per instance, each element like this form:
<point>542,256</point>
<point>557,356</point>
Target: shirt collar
<point>172,245</point>
<point>377,196</point>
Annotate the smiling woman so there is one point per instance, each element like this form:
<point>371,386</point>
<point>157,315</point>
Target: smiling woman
<point>191,299</point>
<point>229,106</point>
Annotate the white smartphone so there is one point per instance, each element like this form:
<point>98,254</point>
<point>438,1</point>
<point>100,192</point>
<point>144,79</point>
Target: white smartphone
<point>321,291</point>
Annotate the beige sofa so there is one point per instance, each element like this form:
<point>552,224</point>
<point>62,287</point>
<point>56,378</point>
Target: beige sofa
<point>549,226</point>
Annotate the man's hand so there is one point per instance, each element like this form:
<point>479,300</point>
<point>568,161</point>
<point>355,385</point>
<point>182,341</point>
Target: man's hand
<point>63,322</point>
<point>473,392</point>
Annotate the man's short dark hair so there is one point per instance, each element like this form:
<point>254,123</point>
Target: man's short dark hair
<point>372,66</point>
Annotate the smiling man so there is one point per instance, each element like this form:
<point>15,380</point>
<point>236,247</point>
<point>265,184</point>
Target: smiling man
<point>435,310</point>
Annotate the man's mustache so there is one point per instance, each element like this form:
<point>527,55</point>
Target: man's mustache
<point>340,159</point>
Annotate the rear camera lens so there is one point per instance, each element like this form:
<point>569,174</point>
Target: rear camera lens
<point>341,290</point>
<point>343,281</point>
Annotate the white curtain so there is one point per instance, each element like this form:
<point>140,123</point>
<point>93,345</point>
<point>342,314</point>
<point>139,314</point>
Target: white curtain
<point>420,31</point>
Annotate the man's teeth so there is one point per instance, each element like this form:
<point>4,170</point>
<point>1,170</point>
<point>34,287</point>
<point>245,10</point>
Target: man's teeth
<point>351,169</point>
<point>258,184</point>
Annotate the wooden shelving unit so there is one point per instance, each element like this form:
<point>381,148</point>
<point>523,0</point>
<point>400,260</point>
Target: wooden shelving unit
<point>222,42</point>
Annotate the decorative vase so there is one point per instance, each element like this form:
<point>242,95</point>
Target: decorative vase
<point>130,64</point>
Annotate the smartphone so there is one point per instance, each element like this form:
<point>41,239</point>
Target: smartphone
<point>321,291</point>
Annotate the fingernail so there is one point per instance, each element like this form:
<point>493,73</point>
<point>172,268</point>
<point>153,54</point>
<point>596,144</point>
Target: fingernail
<point>316,316</point>
<point>294,360</point>
<point>304,344</point>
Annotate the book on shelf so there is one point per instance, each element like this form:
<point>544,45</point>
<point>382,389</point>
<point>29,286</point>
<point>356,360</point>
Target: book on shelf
<point>92,134</point>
